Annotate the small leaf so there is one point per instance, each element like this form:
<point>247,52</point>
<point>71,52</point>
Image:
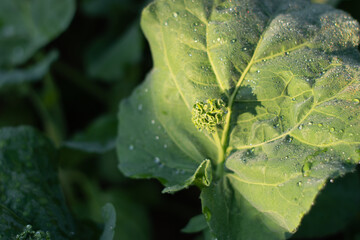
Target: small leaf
<point>30,74</point>
<point>109,215</point>
<point>98,137</point>
<point>196,224</point>
<point>201,178</point>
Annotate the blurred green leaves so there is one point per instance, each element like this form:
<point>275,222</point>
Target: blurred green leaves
<point>29,74</point>
<point>98,137</point>
<point>29,186</point>
<point>26,26</point>
<point>111,63</point>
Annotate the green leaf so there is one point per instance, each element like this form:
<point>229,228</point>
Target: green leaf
<point>342,197</point>
<point>288,73</point>
<point>26,26</point>
<point>201,178</point>
<point>30,74</point>
<point>29,186</point>
<point>98,137</point>
<point>109,215</point>
<point>196,224</point>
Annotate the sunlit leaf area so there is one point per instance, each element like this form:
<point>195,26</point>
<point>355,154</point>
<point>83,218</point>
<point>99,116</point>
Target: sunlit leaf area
<point>179,120</point>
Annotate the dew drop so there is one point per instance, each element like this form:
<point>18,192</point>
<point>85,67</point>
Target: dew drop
<point>157,137</point>
<point>299,183</point>
<point>175,14</point>
<point>244,49</point>
<point>140,107</point>
<point>356,101</point>
<point>157,160</point>
<point>332,129</point>
<point>233,41</point>
<point>165,146</point>
<point>331,181</point>
<point>320,125</point>
<point>131,147</point>
<point>152,121</point>
<point>166,23</point>
<point>300,126</point>
<point>310,123</point>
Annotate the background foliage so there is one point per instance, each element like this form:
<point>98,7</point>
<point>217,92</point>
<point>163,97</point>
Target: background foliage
<point>64,67</point>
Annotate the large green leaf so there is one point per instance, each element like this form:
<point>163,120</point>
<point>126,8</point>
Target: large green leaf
<point>26,26</point>
<point>288,74</point>
<point>29,186</point>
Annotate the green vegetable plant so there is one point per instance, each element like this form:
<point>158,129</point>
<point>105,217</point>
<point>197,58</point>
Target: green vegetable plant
<point>254,102</point>
<point>247,120</point>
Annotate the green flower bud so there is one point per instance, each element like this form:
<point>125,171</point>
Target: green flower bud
<point>208,115</point>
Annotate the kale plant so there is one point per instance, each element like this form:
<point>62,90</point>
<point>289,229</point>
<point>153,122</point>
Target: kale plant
<point>251,105</point>
<point>273,87</point>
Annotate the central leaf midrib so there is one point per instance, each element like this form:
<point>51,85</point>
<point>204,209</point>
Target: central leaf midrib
<point>225,134</point>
